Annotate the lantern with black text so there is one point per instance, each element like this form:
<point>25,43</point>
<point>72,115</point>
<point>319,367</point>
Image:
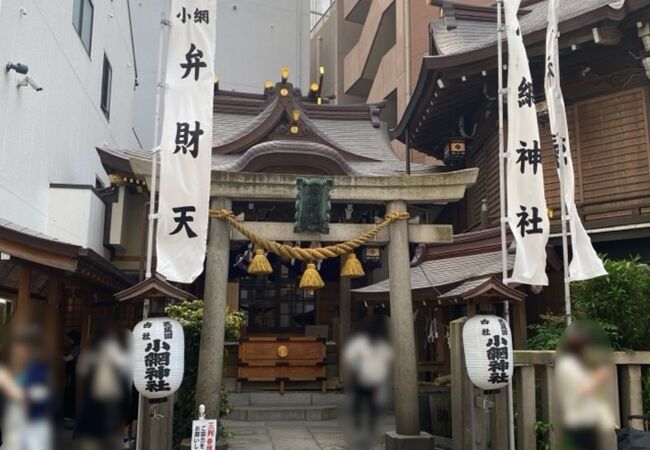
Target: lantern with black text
<point>159,352</point>
<point>487,342</point>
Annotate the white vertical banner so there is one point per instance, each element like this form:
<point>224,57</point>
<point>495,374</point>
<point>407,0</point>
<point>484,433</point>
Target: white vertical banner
<point>186,141</point>
<point>527,212</point>
<point>585,263</point>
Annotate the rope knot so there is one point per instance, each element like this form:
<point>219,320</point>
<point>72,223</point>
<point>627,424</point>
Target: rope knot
<point>221,214</point>
<point>397,216</point>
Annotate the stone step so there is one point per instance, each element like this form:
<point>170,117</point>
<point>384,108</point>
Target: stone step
<point>303,398</point>
<point>284,413</point>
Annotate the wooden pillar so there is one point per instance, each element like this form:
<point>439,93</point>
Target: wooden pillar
<point>54,327</point>
<point>210,371</point>
<point>460,393</point>
<point>631,396</point>
<point>407,418</point>
<point>499,420</point>
<point>519,329</point>
<point>158,418</point>
<point>85,309</point>
<point>24,298</point>
<point>526,416</point>
<point>549,405</point>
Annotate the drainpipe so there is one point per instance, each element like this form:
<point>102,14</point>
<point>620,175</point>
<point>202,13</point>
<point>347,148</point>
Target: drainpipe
<point>407,150</point>
<point>407,49</point>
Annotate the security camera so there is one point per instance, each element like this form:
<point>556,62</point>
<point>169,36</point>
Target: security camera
<point>18,67</point>
<point>29,81</point>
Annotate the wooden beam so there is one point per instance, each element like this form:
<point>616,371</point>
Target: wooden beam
<point>23,307</point>
<point>341,232</point>
<point>526,414</point>
<point>40,256</point>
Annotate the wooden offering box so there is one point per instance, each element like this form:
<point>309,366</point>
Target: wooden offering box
<point>281,360</point>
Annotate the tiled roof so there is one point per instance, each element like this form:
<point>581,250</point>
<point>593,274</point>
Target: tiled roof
<point>471,35</point>
<point>28,231</point>
<point>465,287</point>
<point>438,273</point>
<point>228,126</point>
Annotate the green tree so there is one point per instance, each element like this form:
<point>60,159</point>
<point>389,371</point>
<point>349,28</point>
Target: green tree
<point>190,316</point>
<point>620,302</point>
<point>617,302</point>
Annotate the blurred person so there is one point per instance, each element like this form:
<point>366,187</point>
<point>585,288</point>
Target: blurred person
<point>367,359</point>
<point>104,373</point>
<point>70,358</point>
<point>27,393</point>
<point>131,422</point>
<point>582,371</point>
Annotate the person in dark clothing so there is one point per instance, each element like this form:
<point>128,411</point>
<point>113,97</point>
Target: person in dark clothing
<point>104,371</point>
<point>73,348</point>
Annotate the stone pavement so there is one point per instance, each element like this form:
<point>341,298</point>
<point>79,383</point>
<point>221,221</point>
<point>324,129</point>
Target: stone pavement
<point>294,435</point>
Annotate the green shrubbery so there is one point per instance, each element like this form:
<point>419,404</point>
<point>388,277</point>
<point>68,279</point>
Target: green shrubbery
<point>190,316</point>
<point>618,302</point>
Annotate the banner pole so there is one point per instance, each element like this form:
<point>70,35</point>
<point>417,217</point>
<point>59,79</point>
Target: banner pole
<point>140,437</point>
<point>502,204</point>
<point>565,250</point>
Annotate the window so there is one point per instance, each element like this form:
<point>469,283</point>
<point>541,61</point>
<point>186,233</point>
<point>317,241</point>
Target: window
<point>82,19</point>
<point>107,80</point>
<point>276,303</point>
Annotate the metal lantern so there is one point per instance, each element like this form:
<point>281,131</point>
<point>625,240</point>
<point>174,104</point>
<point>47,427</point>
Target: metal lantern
<point>159,353</point>
<point>371,256</point>
<point>487,342</point>
<point>455,152</point>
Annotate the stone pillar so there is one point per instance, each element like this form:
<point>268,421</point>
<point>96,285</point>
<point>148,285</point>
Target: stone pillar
<point>210,375</point>
<point>401,310</point>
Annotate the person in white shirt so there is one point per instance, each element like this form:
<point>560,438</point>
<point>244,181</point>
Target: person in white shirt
<point>367,359</point>
<point>582,373</point>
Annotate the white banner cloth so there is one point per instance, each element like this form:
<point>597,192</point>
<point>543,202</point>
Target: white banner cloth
<point>527,212</point>
<point>585,263</point>
<point>186,141</point>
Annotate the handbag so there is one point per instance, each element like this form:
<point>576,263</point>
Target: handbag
<point>633,439</point>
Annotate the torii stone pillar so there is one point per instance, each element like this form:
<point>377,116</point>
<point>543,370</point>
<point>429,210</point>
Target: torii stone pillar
<point>210,373</point>
<point>407,419</point>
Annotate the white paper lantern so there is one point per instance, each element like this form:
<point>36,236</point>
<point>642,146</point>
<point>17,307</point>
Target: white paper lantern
<point>487,342</point>
<point>159,357</point>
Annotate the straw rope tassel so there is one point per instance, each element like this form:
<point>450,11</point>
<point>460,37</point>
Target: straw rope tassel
<point>310,279</point>
<point>352,267</point>
<point>260,265</point>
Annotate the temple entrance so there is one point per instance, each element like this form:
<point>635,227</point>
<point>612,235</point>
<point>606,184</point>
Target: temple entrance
<point>275,303</point>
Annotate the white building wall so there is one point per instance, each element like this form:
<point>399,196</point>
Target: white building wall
<point>50,136</point>
<point>255,38</point>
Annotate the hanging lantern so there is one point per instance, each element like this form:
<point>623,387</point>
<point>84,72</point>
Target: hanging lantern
<point>159,353</point>
<point>371,256</point>
<point>455,150</point>
<point>351,267</point>
<point>487,342</point>
<point>311,279</point>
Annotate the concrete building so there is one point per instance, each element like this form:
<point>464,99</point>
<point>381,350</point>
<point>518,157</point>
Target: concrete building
<point>76,95</point>
<point>372,50</point>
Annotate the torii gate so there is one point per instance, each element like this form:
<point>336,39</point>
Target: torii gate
<point>396,192</point>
